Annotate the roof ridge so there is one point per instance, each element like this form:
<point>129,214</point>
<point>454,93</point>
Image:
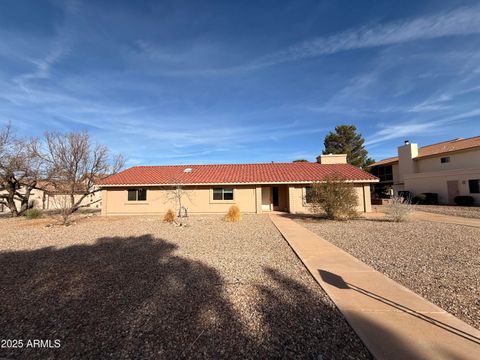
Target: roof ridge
<point>230,164</point>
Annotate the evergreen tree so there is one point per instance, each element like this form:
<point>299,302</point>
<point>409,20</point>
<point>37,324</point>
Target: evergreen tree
<point>346,140</point>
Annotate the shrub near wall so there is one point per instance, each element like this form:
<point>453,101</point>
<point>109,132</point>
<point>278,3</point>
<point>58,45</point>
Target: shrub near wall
<point>426,199</point>
<point>464,200</point>
<point>233,214</point>
<point>33,214</point>
<point>169,216</point>
<point>336,197</point>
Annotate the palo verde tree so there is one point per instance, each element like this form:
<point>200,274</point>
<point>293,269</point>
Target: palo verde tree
<point>346,140</point>
<point>74,164</point>
<point>20,169</point>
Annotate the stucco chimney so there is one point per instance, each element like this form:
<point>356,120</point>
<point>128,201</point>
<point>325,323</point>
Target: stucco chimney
<point>406,155</point>
<point>332,159</point>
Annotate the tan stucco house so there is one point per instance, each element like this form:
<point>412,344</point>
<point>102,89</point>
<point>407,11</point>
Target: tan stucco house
<point>449,168</point>
<point>255,188</point>
<point>46,197</point>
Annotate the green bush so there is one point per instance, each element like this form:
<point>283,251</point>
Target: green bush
<point>334,196</point>
<point>464,200</point>
<point>33,214</point>
<point>426,199</point>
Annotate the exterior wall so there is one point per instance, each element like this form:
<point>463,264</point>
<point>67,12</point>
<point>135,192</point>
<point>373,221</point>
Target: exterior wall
<point>458,160</point>
<point>258,199</point>
<point>366,199</point>
<point>200,200</point>
<point>396,174</point>
<point>197,200</point>
<point>299,206</point>
<point>436,182</point>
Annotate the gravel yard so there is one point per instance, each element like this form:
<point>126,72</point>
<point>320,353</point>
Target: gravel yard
<point>439,261</point>
<point>122,288</point>
<point>464,211</point>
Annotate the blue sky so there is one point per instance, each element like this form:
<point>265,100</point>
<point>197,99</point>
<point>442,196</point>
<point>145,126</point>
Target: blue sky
<point>168,82</point>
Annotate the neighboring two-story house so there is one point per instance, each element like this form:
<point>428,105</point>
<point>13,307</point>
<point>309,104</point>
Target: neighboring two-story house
<point>448,168</point>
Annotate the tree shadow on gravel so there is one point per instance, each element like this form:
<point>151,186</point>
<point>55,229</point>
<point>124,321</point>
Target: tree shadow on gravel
<point>124,298</point>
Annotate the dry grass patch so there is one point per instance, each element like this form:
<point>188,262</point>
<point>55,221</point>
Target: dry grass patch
<point>233,214</point>
<point>169,216</point>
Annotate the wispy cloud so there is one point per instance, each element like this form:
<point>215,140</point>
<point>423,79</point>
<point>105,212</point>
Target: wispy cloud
<point>59,48</point>
<point>418,128</point>
<point>399,130</point>
<point>462,21</point>
<point>43,66</point>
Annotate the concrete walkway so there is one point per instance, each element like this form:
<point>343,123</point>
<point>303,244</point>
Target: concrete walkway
<point>427,216</point>
<point>392,321</point>
<point>449,219</point>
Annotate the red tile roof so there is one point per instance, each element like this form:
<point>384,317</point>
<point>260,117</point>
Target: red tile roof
<point>437,149</point>
<point>235,174</point>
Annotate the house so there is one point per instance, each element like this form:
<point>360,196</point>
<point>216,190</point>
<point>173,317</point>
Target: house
<point>449,168</point>
<point>255,188</point>
<point>47,196</point>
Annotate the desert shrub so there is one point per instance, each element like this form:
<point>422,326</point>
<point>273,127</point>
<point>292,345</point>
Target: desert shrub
<point>464,200</point>
<point>169,216</point>
<point>334,196</point>
<point>233,214</point>
<point>399,208</point>
<point>33,214</point>
<point>426,199</point>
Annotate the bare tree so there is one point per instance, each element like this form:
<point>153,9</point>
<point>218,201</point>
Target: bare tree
<point>74,164</point>
<point>19,171</point>
<point>177,194</point>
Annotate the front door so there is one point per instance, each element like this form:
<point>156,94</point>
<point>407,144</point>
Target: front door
<point>452,187</point>
<point>266,198</point>
<point>275,196</point>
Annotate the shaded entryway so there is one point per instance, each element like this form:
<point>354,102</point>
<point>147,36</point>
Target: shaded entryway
<point>275,198</point>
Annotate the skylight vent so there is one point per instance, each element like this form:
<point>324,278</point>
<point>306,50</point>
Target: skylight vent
<point>187,170</point>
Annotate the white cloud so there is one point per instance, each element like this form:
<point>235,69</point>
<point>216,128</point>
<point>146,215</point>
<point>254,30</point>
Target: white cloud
<point>413,128</point>
<point>43,66</point>
<point>401,130</point>
<point>462,21</point>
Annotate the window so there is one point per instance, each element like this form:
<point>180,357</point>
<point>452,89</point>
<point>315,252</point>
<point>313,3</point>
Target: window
<point>222,193</point>
<point>384,173</point>
<point>474,186</point>
<point>308,194</point>
<point>445,159</point>
<point>137,194</point>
